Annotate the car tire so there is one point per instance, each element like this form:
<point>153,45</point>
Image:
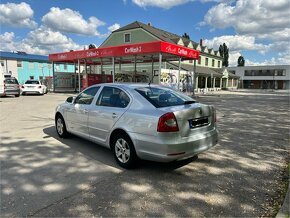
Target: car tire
<point>60,127</point>
<point>23,93</point>
<point>124,151</point>
<point>17,96</point>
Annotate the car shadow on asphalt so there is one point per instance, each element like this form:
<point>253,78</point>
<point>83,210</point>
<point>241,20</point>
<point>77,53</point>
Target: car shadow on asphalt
<point>105,156</point>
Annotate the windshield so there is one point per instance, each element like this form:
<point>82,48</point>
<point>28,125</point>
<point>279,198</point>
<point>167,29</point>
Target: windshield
<point>32,82</point>
<point>164,97</point>
<point>11,81</point>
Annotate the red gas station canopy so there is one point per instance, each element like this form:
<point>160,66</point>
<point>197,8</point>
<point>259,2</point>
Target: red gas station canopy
<point>126,50</point>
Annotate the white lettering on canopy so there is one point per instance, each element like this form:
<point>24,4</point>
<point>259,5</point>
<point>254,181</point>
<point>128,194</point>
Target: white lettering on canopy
<point>133,49</point>
<point>62,56</point>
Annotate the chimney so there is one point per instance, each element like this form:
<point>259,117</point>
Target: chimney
<point>149,24</point>
<point>201,42</point>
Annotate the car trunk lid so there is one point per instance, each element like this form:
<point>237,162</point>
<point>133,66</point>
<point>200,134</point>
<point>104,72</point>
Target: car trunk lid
<point>192,118</point>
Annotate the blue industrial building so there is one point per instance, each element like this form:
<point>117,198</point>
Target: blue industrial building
<point>25,66</point>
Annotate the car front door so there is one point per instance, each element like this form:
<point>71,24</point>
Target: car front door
<point>112,102</point>
<point>77,114</point>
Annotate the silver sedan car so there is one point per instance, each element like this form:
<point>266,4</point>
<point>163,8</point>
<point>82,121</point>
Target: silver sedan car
<point>139,121</point>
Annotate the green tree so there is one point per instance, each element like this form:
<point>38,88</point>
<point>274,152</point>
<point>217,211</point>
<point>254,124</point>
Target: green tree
<point>224,52</point>
<point>241,61</point>
<point>185,35</point>
<point>91,46</point>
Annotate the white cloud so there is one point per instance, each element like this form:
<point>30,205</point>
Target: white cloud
<point>17,15</point>
<point>40,41</point>
<point>261,18</point>
<point>7,37</point>
<point>70,21</point>
<point>166,4</point>
<point>114,27</point>
<point>237,43</point>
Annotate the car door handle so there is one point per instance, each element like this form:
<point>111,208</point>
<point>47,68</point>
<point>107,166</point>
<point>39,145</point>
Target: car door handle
<point>85,111</point>
<point>114,115</point>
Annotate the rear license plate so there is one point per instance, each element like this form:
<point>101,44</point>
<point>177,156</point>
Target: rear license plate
<point>198,122</point>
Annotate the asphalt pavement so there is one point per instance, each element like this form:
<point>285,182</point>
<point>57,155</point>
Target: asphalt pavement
<point>44,176</point>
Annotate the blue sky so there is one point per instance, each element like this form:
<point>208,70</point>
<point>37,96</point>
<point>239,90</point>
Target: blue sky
<point>258,30</point>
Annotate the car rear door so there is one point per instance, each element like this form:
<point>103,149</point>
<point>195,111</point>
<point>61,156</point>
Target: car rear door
<point>111,104</point>
<point>77,115</point>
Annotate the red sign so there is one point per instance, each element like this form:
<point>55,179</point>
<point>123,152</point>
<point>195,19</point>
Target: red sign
<point>127,50</point>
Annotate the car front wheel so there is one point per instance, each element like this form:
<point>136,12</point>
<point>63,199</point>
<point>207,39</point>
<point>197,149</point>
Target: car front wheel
<point>60,127</point>
<point>124,151</point>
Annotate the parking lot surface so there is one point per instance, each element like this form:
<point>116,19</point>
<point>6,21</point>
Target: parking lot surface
<point>44,176</point>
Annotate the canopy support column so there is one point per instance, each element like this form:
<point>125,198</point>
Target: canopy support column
<point>113,76</point>
<point>193,79</point>
<point>79,69</point>
<point>152,74</point>
<point>178,79</point>
<point>160,62</point>
<point>53,77</point>
<point>135,69</point>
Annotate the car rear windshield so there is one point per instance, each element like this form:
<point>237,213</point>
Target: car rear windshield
<point>11,81</point>
<point>32,82</point>
<point>164,97</point>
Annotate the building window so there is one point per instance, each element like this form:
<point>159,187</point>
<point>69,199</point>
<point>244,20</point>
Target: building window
<point>199,60</point>
<point>212,62</point>
<point>143,71</point>
<point>219,64</point>
<point>19,63</point>
<point>206,61</point>
<point>2,63</point>
<point>127,37</point>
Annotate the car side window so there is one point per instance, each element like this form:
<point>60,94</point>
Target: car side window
<point>87,96</point>
<point>113,97</point>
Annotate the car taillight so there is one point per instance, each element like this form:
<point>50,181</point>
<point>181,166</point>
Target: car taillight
<point>39,87</point>
<point>167,123</point>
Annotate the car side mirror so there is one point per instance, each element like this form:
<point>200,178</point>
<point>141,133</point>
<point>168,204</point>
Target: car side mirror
<point>70,99</point>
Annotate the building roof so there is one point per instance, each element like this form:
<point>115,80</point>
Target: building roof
<point>159,33</point>
<point>162,35</point>
<point>23,56</point>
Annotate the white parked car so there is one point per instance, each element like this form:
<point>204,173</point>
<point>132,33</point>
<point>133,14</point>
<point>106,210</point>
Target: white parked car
<point>33,87</point>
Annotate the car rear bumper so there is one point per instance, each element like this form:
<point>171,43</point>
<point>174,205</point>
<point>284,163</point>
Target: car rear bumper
<point>157,149</point>
<point>34,91</point>
<point>12,92</point>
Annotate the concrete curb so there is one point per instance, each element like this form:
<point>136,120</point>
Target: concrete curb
<point>285,209</point>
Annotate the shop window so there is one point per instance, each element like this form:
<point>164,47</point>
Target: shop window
<point>206,61</point>
<point>19,63</point>
<point>127,37</point>
<point>65,66</point>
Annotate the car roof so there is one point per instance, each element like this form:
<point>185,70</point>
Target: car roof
<point>130,85</point>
